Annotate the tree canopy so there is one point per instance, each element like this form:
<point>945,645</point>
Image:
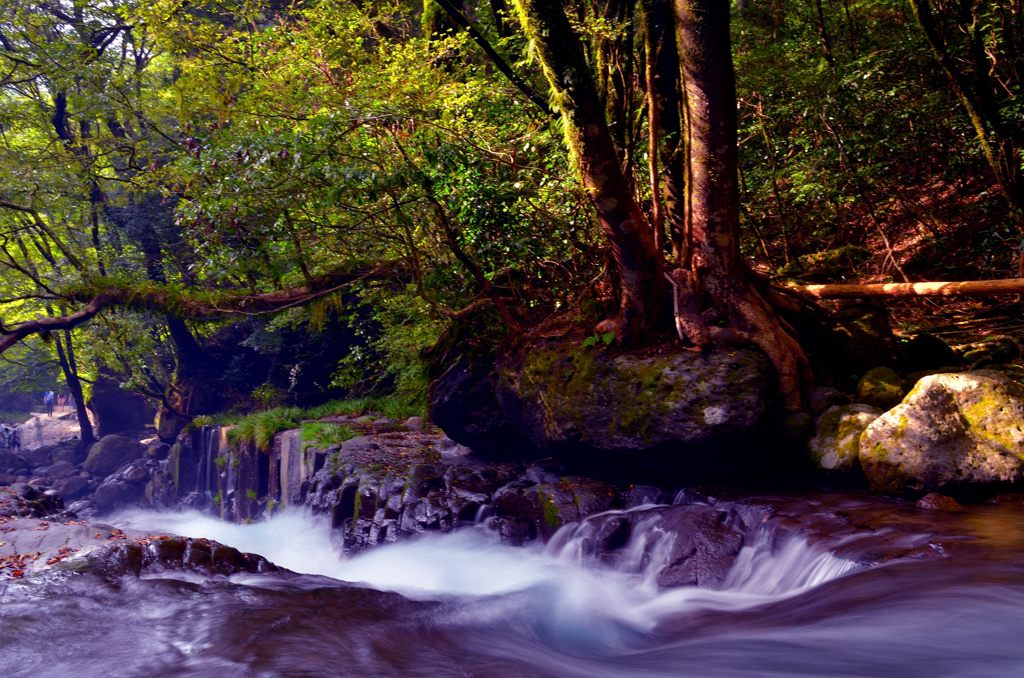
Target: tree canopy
<point>175,170</point>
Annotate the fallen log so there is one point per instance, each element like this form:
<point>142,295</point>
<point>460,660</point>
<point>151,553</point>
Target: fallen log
<point>970,288</point>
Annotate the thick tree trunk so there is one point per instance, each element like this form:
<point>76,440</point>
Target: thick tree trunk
<point>644,297</point>
<point>714,269</point>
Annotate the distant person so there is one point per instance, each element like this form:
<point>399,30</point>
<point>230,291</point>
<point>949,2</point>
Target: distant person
<point>39,430</point>
<point>16,439</point>
<point>48,398</point>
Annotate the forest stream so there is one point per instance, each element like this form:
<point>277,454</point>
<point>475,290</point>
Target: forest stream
<point>798,600</point>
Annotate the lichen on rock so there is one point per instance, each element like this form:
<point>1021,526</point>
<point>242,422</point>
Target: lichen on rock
<point>952,431</point>
<point>836,442</point>
<point>560,393</point>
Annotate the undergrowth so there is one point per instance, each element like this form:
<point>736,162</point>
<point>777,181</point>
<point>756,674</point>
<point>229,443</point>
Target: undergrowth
<point>259,428</point>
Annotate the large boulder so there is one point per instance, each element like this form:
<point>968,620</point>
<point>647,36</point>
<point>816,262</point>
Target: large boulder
<point>463,404</point>
<point>836,442</point>
<point>117,410</point>
<point>951,432</point>
<point>564,394</point>
<point>110,453</point>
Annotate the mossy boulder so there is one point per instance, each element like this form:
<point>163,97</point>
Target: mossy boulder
<point>952,432</point>
<point>566,394</point>
<point>991,349</point>
<point>862,338</point>
<point>880,387</point>
<point>110,453</point>
<point>836,442</point>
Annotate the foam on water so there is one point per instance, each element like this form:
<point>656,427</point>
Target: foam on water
<point>472,562</point>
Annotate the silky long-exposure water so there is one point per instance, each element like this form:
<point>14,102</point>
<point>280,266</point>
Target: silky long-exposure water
<point>463,604</point>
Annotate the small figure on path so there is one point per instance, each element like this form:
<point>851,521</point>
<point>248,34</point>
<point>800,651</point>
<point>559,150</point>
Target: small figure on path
<point>48,401</point>
<point>16,439</point>
<point>39,430</point>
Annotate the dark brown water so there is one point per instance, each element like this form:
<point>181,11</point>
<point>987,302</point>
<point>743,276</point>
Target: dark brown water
<point>806,597</point>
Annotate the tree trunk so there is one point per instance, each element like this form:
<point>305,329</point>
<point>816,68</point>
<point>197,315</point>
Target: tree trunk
<point>69,366</point>
<point>714,269</point>
<point>643,303</point>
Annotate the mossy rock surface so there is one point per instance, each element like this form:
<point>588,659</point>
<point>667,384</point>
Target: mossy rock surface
<point>110,453</point>
<point>952,432</point>
<point>880,387</point>
<point>836,442</point>
<point>561,393</point>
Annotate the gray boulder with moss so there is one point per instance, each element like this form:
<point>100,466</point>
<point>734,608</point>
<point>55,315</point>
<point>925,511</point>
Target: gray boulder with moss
<point>952,431</point>
<point>563,393</point>
<point>836,442</point>
<point>111,453</point>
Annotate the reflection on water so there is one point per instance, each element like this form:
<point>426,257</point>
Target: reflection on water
<point>464,605</point>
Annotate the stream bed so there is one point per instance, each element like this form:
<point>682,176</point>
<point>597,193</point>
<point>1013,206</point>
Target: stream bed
<point>800,599</point>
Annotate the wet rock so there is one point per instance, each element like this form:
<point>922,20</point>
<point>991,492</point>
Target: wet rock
<point>836,442</point>
<point>952,431</point>
<point>933,501</point>
<point>880,387</point>
<point>71,488</point>
<point>527,510</point>
<point>22,499</point>
<point>691,544</point>
<point>11,462</point>
<point>414,423</point>
<point>79,546</point>
<point>562,394</point>
<point>110,495</point>
<point>158,451</point>
<point>135,473</point>
<point>69,451</point>
<point>41,456</point>
<point>638,495</point>
<point>62,469</point>
<point>110,453</point>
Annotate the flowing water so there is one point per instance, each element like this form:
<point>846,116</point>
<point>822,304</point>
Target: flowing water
<point>462,604</point>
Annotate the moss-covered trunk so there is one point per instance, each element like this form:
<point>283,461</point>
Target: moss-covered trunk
<point>643,309</point>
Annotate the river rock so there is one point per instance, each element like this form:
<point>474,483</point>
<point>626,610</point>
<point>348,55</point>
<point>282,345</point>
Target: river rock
<point>110,453</point>
<point>464,405</point>
<point>952,431</point>
<point>11,462</point>
<point>21,499</point>
<point>109,495</point>
<point>691,544</point>
<point>836,442</point>
<point>881,387</point>
<point>566,394</point>
<point>71,488</point>
<point>525,510</point>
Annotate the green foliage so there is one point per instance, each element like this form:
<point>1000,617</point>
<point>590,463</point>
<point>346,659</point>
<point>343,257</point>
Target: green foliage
<point>604,339</point>
<point>323,434</point>
<point>251,494</point>
<point>258,429</point>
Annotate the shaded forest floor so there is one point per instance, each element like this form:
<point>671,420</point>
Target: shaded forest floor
<point>931,229</point>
